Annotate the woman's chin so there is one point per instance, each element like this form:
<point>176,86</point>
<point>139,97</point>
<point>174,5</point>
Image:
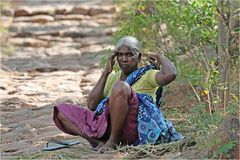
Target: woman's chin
<point>126,71</point>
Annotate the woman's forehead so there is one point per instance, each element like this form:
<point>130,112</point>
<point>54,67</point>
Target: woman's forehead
<point>123,49</point>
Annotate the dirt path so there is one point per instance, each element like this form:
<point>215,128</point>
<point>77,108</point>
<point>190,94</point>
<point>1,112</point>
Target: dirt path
<point>57,50</point>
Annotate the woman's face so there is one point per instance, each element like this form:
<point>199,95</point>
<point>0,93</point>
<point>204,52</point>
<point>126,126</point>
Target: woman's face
<point>127,60</point>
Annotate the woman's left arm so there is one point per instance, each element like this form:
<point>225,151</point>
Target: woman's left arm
<point>168,71</point>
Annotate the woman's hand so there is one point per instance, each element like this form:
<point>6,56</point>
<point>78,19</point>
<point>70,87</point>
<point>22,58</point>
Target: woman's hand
<point>154,59</point>
<point>110,63</point>
<point>96,95</point>
<point>168,70</point>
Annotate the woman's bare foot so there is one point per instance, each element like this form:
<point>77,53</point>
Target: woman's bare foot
<point>99,145</point>
<point>108,146</point>
<point>95,143</point>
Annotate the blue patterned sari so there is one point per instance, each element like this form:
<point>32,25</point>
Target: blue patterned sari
<point>152,126</point>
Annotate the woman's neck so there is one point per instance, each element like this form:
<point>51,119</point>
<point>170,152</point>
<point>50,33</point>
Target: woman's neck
<point>123,76</point>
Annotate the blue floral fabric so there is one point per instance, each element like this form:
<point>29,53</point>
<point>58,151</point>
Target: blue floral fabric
<point>152,127</point>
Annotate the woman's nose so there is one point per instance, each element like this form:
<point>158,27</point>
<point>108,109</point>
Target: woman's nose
<point>124,58</point>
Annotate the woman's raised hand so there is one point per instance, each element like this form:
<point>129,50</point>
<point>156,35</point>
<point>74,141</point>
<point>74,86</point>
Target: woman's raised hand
<point>154,59</point>
<point>110,63</point>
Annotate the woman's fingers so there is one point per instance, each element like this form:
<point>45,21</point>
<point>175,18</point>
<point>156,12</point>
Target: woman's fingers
<point>111,62</point>
<point>153,59</point>
<point>112,59</point>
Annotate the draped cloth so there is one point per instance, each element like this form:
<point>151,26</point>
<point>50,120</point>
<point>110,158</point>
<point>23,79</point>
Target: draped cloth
<point>96,126</point>
<point>152,127</point>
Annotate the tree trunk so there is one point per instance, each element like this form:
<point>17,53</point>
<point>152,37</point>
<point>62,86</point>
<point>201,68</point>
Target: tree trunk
<point>223,37</point>
<point>227,22</point>
<point>233,25</point>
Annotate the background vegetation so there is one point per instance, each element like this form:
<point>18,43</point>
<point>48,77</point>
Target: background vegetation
<point>203,33</point>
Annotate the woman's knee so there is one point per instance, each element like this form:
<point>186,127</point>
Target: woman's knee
<point>121,88</point>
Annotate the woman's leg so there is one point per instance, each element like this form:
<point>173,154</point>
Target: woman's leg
<point>69,126</point>
<point>118,108</point>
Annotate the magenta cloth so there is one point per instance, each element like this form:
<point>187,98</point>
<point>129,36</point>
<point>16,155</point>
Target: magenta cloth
<point>95,126</point>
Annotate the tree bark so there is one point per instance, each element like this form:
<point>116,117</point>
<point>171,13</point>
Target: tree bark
<point>233,25</point>
<point>223,53</point>
<point>227,22</point>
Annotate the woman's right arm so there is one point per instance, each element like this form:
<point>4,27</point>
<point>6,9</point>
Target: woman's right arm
<point>96,95</point>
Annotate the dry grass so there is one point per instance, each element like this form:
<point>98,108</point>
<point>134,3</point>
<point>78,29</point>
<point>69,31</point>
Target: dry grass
<point>156,151</point>
<point>122,152</point>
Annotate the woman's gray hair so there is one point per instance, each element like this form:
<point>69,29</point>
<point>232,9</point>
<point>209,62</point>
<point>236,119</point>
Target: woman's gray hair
<point>131,42</point>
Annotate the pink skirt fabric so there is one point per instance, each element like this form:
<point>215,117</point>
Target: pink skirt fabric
<point>96,126</point>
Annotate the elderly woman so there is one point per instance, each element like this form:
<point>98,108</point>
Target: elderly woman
<point>121,106</point>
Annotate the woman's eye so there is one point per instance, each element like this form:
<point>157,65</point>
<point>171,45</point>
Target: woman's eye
<point>130,54</point>
<point>119,54</point>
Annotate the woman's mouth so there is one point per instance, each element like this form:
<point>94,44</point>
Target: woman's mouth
<point>124,65</point>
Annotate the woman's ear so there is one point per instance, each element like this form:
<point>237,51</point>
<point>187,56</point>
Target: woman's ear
<point>139,57</point>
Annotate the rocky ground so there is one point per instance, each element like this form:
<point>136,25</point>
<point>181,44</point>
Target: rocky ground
<point>54,56</point>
